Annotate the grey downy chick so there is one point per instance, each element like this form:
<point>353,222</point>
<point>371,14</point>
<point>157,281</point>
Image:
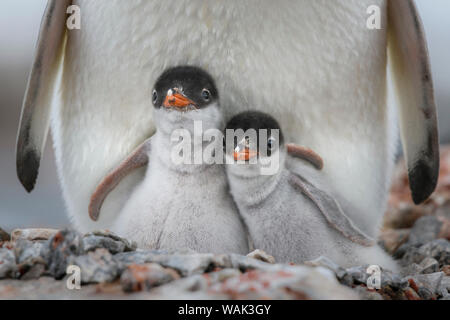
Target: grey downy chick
<point>178,206</point>
<point>290,211</point>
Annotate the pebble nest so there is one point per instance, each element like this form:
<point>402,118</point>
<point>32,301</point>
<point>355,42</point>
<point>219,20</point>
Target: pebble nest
<point>34,262</point>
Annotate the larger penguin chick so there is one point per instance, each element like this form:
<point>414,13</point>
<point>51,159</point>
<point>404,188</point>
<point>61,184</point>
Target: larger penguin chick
<point>290,212</point>
<point>178,205</point>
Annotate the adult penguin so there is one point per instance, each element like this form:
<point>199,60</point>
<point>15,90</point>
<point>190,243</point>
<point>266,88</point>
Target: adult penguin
<point>313,65</point>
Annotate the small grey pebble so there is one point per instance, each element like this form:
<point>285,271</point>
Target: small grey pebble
<point>425,293</point>
<point>425,229</point>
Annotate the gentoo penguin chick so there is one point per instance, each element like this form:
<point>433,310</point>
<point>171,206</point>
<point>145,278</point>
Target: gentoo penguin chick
<point>179,205</point>
<point>289,212</point>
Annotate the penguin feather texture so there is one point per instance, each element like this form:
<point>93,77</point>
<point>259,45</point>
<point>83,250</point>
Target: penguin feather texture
<point>183,206</point>
<point>313,65</point>
<point>291,219</point>
<point>321,73</point>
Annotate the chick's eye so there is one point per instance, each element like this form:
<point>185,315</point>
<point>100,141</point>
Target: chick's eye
<point>206,95</point>
<point>154,97</point>
<point>271,144</point>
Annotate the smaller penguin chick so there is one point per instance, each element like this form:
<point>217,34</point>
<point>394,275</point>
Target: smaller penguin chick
<point>289,212</point>
<point>179,204</point>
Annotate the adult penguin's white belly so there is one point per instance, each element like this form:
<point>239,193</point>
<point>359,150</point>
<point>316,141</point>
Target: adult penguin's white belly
<point>314,65</point>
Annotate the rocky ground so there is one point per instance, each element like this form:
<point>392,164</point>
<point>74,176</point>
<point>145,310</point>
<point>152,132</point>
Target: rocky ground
<point>33,263</point>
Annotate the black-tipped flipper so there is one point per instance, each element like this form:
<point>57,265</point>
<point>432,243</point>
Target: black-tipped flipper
<point>35,118</point>
<point>331,210</point>
<point>417,110</point>
<point>423,178</point>
<point>28,168</point>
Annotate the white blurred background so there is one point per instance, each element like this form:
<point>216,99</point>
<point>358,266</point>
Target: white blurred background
<point>19,25</point>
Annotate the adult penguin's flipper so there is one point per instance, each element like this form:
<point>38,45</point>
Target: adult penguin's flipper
<point>413,81</point>
<point>36,107</point>
<point>331,211</point>
<point>138,159</point>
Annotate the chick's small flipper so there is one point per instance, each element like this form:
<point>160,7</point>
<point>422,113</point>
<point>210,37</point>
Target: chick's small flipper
<point>331,210</point>
<point>138,159</point>
<point>306,154</point>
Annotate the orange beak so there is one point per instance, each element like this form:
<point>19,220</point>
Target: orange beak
<point>177,100</point>
<point>245,155</point>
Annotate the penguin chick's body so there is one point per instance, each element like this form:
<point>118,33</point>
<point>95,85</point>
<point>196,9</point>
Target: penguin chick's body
<point>179,206</point>
<point>291,214</point>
